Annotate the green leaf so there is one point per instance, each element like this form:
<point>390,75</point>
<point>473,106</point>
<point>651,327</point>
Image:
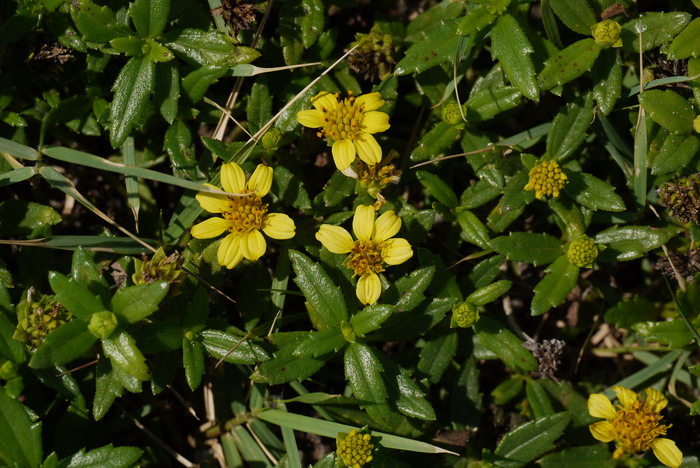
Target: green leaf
<point>149,16</point>
<point>96,23</point>
<point>479,194</point>
<point>122,351</point>
<point>87,273</point>
<point>506,391</point>
<point>571,400</point>
<point>657,28</point>
<point>312,21</point>
<point>668,109</point>
<point>512,48</point>
<point>167,91</point>
<point>77,299</point>
<point>26,219</point>
<point>178,144</point>
<point>259,107</point>
<point>687,43</point>
<point>132,89</point>
<point>538,399</point>
<point>436,45</point>
<point>193,361</point>
<point>409,398</point>
<point>404,326</point>
<point>438,189</point>
<point>607,76</point>
<point>208,48</point>
<point>291,189</point>
<point>580,457</point>
<point>439,139</point>
<point>570,128</point>
<point>626,313</point>
<point>370,318</point>
<point>495,337</point>
<point>68,342</point>
<point>364,372</point>
<point>196,83</point>
<point>129,45</point>
<point>107,388</point>
<point>407,292</point>
<point>10,349</point>
<point>514,194</point>
<point>473,230</point>
<point>324,296</point>
<point>576,15</point>
<point>219,344</point>
<point>487,103</point>
<point>569,64</point>
<point>475,20</point>
<point>532,439</point>
<point>134,303</point>
<point>675,334</point>
<point>321,342</point>
<point>106,456</point>
<point>553,288</point>
<point>18,150</point>
<point>630,242</point>
<point>286,366</point>
<point>20,437</point>
<point>592,192</point>
<point>676,153</point>
<point>537,249</point>
<point>490,293</point>
<point>437,353</point>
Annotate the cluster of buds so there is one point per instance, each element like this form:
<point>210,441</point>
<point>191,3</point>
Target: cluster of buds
<point>38,319</point>
<point>546,179</point>
<point>607,33</point>
<point>582,252</point>
<point>355,449</point>
<point>464,314</point>
<point>682,197</point>
<point>159,268</point>
<point>376,177</point>
<point>452,114</point>
<point>374,55</point>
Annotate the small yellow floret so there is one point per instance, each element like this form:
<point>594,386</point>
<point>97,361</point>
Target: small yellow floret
<point>607,33</point>
<point>582,252</point>
<point>355,449</point>
<point>546,179</point>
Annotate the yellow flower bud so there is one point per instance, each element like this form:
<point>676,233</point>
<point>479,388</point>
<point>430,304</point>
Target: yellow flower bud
<point>451,113</point>
<point>582,252</point>
<point>546,179</point>
<point>355,449</point>
<point>607,33</point>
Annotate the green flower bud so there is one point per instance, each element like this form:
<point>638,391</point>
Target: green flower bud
<point>355,449</point>
<point>102,324</point>
<point>38,319</point>
<point>582,252</point>
<point>271,139</point>
<point>8,370</point>
<point>464,314</point>
<point>607,33</point>
<point>451,113</point>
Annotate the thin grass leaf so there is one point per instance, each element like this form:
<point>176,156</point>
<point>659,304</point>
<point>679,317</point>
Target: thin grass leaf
<point>17,150</point>
<point>16,175</point>
<point>641,376</point>
<point>290,443</point>
<point>132,183</point>
<point>639,182</point>
<point>662,81</point>
<point>118,245</point>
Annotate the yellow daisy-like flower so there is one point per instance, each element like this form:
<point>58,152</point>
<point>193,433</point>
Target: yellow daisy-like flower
<point>634,425</point>
<point>243,217</point>
<point>373,248</point>
<point>348,125</point>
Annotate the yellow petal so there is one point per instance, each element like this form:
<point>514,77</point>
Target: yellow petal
<point>343,154</point>
<point>600,407</point>
<point>369,287</point>
<point>253,245</point>
<point>261,180</point>
<point>363,222</point>
<point>603,431</point>
<point>375,122</point>
<point>396,251</point>
<point>386,226</point>
<point>324,100</point>
<point>311,118</point>
<point>368,149</point>
<point>370,101</point>
<point>667,452</point>
<point>212,202</point>
<point>626,396</point>
<point>335,239</point>
<point>229,250</point>
<point>278,226</point>
<point>232,178</point>
<point>212,227</point>
<point>655,399</point>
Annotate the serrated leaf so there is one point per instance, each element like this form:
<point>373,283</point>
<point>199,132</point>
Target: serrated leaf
<point>607,79</point>
<point>437,353</point>
<point>259,107</point>
<point>657,29</point>
<point>404,326</point>
<point>107,388</point>
<point>167,90</point>
<point>434,143</point>
<point>675,334</point>
<point>178,144</point>
<point>312,21</point>
<point>86,272</point>
<point>569,64</point>
<point>489,102</point>
<point>409,398</point>
<point>538,249</point>
<point>208,48</point>
<point>106,456</point>
<point>495,337</point>
<point>27,219</point>
<point>473,230</point>
<point>576,15</point>
<point>687,43</point>
<point>592,192</point>
<point>285,366</point>
<point>435,46</point>
<point>538,399</point>
<point>193,362</point>
<point>512,48</point>
<point>570,128</point>
<point>68,342</point>
<point>96,23</point>
<point>122,351</point>
<point>219,344</point>
<point>532,439</point>
<point>630,242</point>
<point>20,437</point>
<point>196,83</point>
<point>324,296</point>
<point>479,194</point>
<point>552,290</point>
<point>475,20</point>
<point>364,373</point>
<point>438,189</point>
<point>580,457</point>
<point>514,195</point>
<point>407,292</point>
<point>370,318</point>
<point>668,109</point>
<point>149,16</point>
<point>676,153</point>
<point>132,89</point>
<point>77,299</point>
<point>318,343</point>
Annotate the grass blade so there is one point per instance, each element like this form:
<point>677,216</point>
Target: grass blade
<point>131,182</point>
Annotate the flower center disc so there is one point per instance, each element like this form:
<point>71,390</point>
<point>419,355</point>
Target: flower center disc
<point>343,123</point>
<point>366,257</point>
<point>244,213</point>
<point>637,426</point>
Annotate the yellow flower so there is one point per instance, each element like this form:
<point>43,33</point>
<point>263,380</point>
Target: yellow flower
<point>634,424</point>
<point>607,33</point>
<point>243,217</point>
<point>355,449</point>
<point>373,248</point>
<point>348,125</point>
<point>546,179</point>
